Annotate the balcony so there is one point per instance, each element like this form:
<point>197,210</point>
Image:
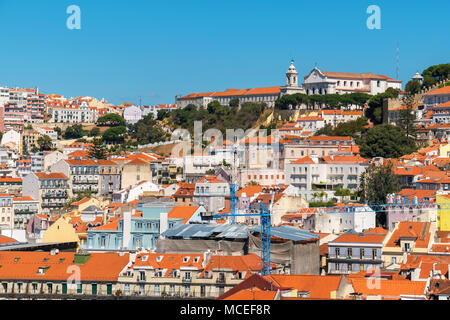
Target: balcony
<point>186,280</point>
<point>84,181</point>
<point>26,211</point>
<point>48,195</point>
<point>52,205</point>
<point>221,280</point>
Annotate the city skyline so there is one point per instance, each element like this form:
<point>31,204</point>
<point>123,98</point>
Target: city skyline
<point>151,51</point>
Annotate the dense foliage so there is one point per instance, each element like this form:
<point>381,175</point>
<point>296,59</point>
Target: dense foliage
<point>111,119</point>
<point>74,132</point>
<point>385,141</point>
<point>350,128</point>
<point>216,116</point>
<point>375,106</point>
<point>375,185</point>
<point>147,130</point>
<point>329,100</point>
<point>115,135</point>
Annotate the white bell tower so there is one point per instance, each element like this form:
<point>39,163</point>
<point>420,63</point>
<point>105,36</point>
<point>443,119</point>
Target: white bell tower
<point>292,76</point>
<point>291,86</point>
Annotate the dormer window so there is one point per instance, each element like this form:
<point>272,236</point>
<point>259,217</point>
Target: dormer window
<point>196,259</point>
<point>159,258</point>
<point>186,259</point>
<point>144,258</point>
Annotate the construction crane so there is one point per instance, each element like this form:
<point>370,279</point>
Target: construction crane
<point>264,215</point>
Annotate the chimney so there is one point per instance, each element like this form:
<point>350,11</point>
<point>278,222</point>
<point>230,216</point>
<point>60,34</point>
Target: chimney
<point>126,229</point>
<point>54,252</point>
<point>206,258</point>
<point>163,223</point>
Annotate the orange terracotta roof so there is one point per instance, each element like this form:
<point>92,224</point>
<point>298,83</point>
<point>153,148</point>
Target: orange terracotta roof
<point>249,191</point>
<point>23,198</point>
<point>318,286</point>
<point>183,212</point>
<point>410,230</point>
<point>376,230</point>
<point>102,162</point>
<point>360,238</point>
<point>252,294</point>
<point>210,179</point>
<point>137,161</point>
<point>73,162</point>
<point>345,159</point>
<point>52,175</point>
<point>311,118</point>
<point>24,265</point>
<point>84,200</point>
<point>78,154</point>
<point>250,262</point>
<point>389,288</point>
<point>5,239</point>
<point>113,225</point>
<point>443,90</point>
<point>304,160</point>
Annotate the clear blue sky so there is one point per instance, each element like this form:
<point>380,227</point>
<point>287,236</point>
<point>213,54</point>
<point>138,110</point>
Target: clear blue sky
<point>157,49</point>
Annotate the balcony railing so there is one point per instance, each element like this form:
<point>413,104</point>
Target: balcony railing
<point>54,195</point>
<point>221,280</point>
<point>52,205</point>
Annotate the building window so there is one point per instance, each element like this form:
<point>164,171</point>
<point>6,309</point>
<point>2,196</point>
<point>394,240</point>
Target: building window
<point>127,288</point>
<point>361,253</point>
<point>337,251</point>
<point>349,252</point>
<point>407,247</point>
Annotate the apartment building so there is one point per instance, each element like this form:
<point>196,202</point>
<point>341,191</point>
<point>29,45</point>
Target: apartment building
<point>314,174</point>
<point>210,192</point>
<point>186,275</point>
<point>109,176</point>
<point>24,208</point>
<point>60,273</point>
<point>83,174</point>
<point>6,210</point>
<point>354,252</point>
<point>50,189</point>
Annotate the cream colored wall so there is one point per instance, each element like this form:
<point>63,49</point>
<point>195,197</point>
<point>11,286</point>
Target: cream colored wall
<point>130,174</point>
<point>61,231</point>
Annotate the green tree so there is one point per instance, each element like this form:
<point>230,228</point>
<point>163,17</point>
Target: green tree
<point>147,130</point>
<point>413,87</point>
<point>74,132</point>
<point>115,134</point>
<point>99,150</point>
<point>111,119</point>
<point>375,106</point>
<point>45,143</point>
<point>435,73</point>
<point>375,184</point>
<point>342,192</point>
<point>234,103</point>
<point>58,131</point>
<point>407,116</point>
<point>162,114</point>
<point>385,141</point>
<point>94,132</point>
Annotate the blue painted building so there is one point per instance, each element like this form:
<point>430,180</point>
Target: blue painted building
<point>354,252</point>
<point>133,231</point>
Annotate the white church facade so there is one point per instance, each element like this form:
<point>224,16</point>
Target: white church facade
<point>316,82</point>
